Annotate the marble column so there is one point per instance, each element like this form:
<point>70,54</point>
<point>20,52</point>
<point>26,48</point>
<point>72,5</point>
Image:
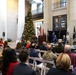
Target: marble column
<point>21,18</point>
<point>47,15</point>
<point>71,17</point>
<point>3,19</point>
<point>72,9</point>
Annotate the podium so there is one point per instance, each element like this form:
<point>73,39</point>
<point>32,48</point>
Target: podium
<point>41,38</point>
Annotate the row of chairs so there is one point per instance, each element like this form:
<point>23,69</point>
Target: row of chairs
<point>42,67</point>
<point>42,51</point>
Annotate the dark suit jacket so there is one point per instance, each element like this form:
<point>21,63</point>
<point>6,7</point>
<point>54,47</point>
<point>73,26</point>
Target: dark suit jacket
<point>58,49</point>
<point>42,47</point>
<point>56,71</point>
<point>23,69</point>
<point>34,53</point>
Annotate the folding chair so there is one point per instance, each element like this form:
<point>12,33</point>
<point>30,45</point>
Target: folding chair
<point>46,68</point>
<point>33,64</point>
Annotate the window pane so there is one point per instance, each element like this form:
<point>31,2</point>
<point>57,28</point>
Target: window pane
<point>62,3</point>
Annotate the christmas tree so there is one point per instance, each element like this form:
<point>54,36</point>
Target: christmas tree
<point>29,30</point>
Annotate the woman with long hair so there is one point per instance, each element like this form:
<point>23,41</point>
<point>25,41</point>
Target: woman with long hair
<point>9,60</point>
<point>6,46</point>
<point>18,47</point>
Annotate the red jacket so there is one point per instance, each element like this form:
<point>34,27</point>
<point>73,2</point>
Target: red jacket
<point>73,58</point>
<point>28,45</point>
<point>1,43</point>
<point>11,68</point>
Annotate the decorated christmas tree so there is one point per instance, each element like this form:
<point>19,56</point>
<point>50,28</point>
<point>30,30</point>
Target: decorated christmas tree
<point>29,29</point>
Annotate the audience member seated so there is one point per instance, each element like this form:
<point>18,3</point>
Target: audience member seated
<point>64,40</point>
<point>59,48</point>
<point>34,39</point>
<point>23,42</point>
<point>55,40</point>
<point>33,53</point>
<point>6,46</point>
<point>43,47</point>
<point>1,42</point>
<point>28,45</point>
<point>53,36</point>
<point>67,49</point>
<point>74,43</point>
<point>63,63</point>
<point>37,46</point>
<point>75,37</point>
<point>9,60</point>
<point>67,38</point>
<point>18,47</point>
<point>22,68</point>
<point>49,55</point>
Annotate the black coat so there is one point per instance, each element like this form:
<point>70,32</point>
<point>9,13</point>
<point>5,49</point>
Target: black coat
<point>23,69</point>
<point>58,49</point>
<point>56,71</point>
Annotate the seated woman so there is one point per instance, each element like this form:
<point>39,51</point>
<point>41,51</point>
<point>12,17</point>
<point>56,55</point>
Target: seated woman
<point>6,46</point>
<point>9,60</point>
<point>1,42</point>
<point>18,47</point>
<point>28,45</point>
<point>63,63</point>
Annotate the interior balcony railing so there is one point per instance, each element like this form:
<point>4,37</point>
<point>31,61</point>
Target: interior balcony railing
<point>59,4</point>
<point>37,11</point>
